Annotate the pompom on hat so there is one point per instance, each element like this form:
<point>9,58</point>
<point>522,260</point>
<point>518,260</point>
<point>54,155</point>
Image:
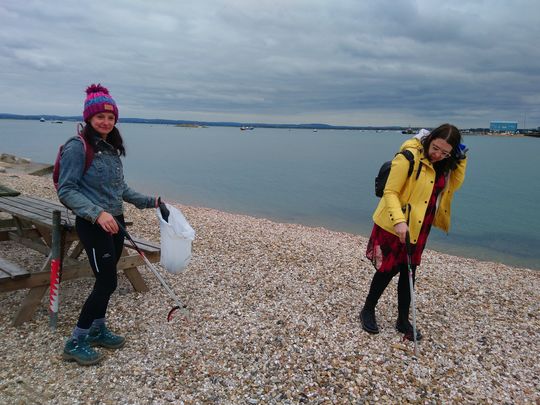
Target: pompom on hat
<point>98,100</point>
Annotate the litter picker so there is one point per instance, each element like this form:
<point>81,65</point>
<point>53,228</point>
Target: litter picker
<point>411,288</point>
<point>179,305</point>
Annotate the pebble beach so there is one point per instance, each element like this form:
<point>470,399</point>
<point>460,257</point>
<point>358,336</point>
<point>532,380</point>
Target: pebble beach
<point>274,320</point>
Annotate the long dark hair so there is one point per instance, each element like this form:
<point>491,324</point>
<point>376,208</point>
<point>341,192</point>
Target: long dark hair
<point>113,138</point>
<point>450,134</point>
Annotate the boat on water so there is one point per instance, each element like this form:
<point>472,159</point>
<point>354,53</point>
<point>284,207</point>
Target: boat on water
<point>42,119</point>
<point>246,128</point>
<point>408,131</point>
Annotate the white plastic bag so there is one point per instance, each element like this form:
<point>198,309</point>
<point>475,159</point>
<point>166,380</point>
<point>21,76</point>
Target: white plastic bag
<point>176,238</point>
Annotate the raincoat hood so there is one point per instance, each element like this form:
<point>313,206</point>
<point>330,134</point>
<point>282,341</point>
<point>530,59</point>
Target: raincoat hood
<point>416,141</point>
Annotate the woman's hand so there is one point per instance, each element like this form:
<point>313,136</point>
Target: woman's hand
<point>164,210</point>
<point>107,222</point>
<point>401,230</point>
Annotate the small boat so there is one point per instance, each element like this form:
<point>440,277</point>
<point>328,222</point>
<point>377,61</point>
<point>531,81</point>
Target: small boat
<point>42,119</point>
<point>246,128</point>
<point>408,131</point>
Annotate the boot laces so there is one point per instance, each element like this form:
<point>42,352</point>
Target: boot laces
<point>84,347</point>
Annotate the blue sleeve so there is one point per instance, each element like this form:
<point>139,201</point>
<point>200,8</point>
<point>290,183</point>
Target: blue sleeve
<point>137,199</point>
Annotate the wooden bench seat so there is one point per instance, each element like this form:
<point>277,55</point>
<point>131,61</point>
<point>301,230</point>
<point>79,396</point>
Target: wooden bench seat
<point>146,246</point>
<point>10,271</point>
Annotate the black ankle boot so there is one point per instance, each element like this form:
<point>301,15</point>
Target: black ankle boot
<point>406,328</point>
<point>369,323</point>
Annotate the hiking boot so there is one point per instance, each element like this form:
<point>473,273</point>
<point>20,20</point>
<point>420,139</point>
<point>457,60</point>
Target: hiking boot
<point>369,323</point>
<point>80,351</point>
<point>407,328</point>
<point>102,336</point>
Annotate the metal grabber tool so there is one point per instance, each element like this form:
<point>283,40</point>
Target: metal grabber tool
<point>179,305</point>
<point>411,289</point>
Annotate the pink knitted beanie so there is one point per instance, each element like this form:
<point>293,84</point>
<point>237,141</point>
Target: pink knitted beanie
<point>98,100</point>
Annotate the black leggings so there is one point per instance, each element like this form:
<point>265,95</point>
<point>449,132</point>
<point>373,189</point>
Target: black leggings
<point>103,251</point>
<point>380,282</point>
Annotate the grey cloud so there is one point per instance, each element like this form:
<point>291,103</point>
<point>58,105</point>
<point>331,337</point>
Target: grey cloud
<point>280,60</point>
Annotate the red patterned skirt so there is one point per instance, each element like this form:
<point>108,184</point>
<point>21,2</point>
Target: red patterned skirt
<point>385,250</point>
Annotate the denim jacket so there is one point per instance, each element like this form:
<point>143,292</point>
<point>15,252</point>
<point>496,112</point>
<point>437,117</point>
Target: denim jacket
<point>101,187</point>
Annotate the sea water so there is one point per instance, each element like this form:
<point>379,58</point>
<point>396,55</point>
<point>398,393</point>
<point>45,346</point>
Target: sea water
<point>323,178</point>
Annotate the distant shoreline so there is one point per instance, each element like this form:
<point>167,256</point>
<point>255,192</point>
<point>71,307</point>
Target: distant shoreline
<point>504,135</point>
<point>57,119</point>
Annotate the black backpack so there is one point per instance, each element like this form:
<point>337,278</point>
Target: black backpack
<point>384,171</point>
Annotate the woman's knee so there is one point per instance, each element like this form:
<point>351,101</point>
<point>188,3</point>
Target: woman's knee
<point>106,287</point>
<point>111,285</point>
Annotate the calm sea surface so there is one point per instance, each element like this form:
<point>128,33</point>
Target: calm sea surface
<point>322,178</point>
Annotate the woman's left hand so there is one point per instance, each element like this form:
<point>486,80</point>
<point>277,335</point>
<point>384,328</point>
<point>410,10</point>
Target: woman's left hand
<point>401,230</point>
<point>107,222</point>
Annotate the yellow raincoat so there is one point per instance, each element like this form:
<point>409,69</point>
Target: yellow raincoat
<point>405,199</point>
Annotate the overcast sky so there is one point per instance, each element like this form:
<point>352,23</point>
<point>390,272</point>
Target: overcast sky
<point>340,62</point>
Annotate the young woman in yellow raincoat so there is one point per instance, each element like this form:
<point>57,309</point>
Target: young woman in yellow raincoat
<point>412,204</point>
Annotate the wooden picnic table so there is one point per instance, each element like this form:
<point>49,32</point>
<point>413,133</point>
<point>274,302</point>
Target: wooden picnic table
<point>30,225</point>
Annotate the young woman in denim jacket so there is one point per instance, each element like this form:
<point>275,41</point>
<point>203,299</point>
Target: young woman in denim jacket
<point>96,194</point>
<point>412,204</point>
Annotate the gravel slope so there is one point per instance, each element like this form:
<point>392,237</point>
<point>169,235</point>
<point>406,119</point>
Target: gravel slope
<point>274,320</point>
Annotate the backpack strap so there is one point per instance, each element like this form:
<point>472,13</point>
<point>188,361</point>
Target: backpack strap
<point>88,151</point>
<point>410,157</point>
<point>419,170</point>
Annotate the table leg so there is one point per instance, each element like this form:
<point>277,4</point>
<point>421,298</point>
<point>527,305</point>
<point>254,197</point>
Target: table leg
<point>29,305</point>
<point>77,250</point>
<point>136,279</point>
